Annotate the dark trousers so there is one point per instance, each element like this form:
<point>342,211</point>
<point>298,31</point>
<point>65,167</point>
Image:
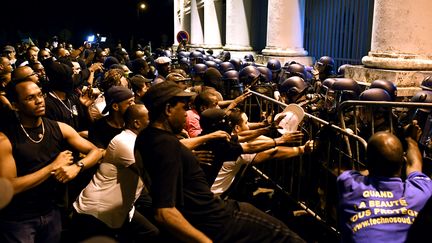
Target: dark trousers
<point>45,228</point>
<point>140,229</point>
<point>249,224</point>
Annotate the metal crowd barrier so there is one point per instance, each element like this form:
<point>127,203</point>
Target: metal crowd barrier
<point>310,180</point>
<point>393,109</point>
<point>305,178</point>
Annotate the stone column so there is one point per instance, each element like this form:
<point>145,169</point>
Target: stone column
<point>212,23</point>
<point>285,28</point>
<point>197,36</point>
<point>178,18</point>
<point>401,35</point>
<point>401,46</point>
<point>237,26</point>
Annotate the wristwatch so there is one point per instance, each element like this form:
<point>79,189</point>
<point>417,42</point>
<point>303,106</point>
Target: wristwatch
<point>81,165</point>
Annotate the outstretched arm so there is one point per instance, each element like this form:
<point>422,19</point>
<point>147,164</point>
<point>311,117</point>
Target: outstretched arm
<point>248,135</point>
<point>261,145</point>
<point>283,152</point>
<point>192,143</point>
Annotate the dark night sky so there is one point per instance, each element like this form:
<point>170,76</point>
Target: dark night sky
<point>116,19</point>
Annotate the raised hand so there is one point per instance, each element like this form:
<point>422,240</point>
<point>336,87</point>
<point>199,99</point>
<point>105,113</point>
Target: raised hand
<point>413,131</point>
<point>291,137</point>
<point>88,97</point>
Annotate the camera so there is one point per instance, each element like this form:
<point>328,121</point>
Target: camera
<point>95,40</point>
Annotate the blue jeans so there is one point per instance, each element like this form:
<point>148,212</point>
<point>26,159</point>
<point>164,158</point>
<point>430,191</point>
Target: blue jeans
<point>44,229</point>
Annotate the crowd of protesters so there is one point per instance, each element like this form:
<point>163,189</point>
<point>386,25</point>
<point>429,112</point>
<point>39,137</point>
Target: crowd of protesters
<point>145,146</point>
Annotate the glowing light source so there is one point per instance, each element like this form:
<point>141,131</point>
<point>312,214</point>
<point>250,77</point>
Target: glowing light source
<point>91,38</point>
<point>142,6</point>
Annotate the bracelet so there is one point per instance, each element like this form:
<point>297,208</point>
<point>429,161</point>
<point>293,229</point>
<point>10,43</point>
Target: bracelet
<point>274,140</point>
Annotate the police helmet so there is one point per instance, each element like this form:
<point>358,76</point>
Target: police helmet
<point>218,61</point>
<point>199,69</point>
<point>225,66</point>
<point>346,88</point>
<point>293,86</point>
<point>274,65</point>
<point>296,69</point>
<point>231,75</point>
<point>249,58</point>
<point>211,64</point>
<point>245,64</point>
<point>266,74</point>
<point>248,74</point>
<point>167,53</point>
<point>388,86</point>
<point>326,61</point>
<point>225,56</point>
<point>200,50</point>
<point>426,84</point>
<point>326,64</point>
<point>196,56</point>
<point>208,57</point>
<point>423,96</point>
<point>183,54</point>
<point>375,94</point>
<point>236,62</point>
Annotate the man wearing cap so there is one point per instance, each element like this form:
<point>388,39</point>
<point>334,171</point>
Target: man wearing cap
<point>9,52</point>
<point>117,99</point>
<point>183,202</point>
<point>163,66</point>
<point>179,79</point>
<point>140,85</point>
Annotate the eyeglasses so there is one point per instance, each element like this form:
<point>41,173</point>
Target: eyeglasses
<point>32,98</point>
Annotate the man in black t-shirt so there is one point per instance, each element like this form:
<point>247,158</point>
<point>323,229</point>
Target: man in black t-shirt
<point>183,202</point>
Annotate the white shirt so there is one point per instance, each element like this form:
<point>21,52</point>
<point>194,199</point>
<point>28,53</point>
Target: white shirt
<point>97,107</point>
<point>111,193</point>
<point>228,172</point>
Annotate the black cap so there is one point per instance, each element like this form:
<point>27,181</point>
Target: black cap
<point>160,93</point>
<point>116,94</point>
<point>214,119</point>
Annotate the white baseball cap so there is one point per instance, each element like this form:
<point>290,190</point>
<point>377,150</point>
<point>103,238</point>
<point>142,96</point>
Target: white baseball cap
<point>294,114</point>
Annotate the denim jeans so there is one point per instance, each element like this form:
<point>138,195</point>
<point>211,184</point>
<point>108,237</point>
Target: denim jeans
<point>44,229</point>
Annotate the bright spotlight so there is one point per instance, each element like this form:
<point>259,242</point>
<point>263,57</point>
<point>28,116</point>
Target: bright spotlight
<point>90,38</point>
